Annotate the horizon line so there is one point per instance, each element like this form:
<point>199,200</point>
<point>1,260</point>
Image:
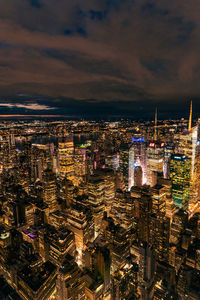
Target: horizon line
<point>41,116</point>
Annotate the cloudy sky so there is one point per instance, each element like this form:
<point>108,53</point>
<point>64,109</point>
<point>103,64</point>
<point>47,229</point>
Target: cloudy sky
<point>99,57</point>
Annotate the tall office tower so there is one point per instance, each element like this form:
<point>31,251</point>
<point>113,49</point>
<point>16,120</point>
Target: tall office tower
<point>112,161</point>
<point>58,219</point>
<point>38,169</point>
<point>55,163</point>
<point>96,159</point>
<point>122,210</point>
<point>79,165</point>
<point>27,159</point>
<point>15,206</point>
<point>159,236</point>
<point>143,206</point>
<point>89,163</point>
<point>108,176</point>
<point>29,213</point>
<point>179,223</point>
<point>168,151</point>
<point>50,190</point>
<point>119,182</point>
<point>187,145</point>
<point>80,222</point>
<point>170,207</point>
<point>138,176</point>
<point>155,152</point>
<point>195,204</point>
<point>146,271</point>
<point>96,195</point>
<point>12,139</point>
<point>155,155</point>
<point>124,163</point>
<point>1,156</point>
<point>131,167</point>
<point>5,241</point>
<point>125,282</point>
<point>66,158</point>
<point>70,192</point>
<point>120,247</point>
<point>140,157</point>
<point>180,173</point>
<point>158,194</point>
<point>97,259</point>
<point>188,283</point>
<point>70,281</point>
<point>5,155</point>
<point>59,243</point>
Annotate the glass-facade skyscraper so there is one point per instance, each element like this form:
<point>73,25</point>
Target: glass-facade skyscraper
<point>180,172</point>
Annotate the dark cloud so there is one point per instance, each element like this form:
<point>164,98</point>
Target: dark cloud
<point>112,51</point>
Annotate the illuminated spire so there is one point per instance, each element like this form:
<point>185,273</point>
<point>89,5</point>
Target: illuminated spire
<point>190,119</point>
<point>155,126</point>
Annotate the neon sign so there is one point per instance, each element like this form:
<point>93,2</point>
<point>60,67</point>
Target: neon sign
<point>152,145</point>
<point>138,140</point>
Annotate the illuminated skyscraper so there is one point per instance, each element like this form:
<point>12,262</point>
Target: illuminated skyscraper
<point>178,226</point>
<point>66,163</point>
<point>131,166</point>
<point>187,142</point>
<point>70,281</point>
<point>108,177</point>
<point>158,194</point>
<point>59,243</point>
<point>137,158</point>
<point>146,271</point>
<point>124,163</point>
<point>81,223</point>
<point>50,190</point>
<point>168,151</point>
<point>122,210</point>
<point>187,145</point>
<point>138,176</point>
<point>180,173</point>
<point>120,247</point>
<point>155,153</point>
<point>97,259</point>
<point>143,208</point>
<point>125,282</point>
<point>170,207</point>
<point>79,165</point>
<point>112,161</point>
<point>96,194</point>
<point>159,235</point>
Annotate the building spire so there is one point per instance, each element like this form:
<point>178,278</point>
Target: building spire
<point>155,126</point>
<point>190,118</point>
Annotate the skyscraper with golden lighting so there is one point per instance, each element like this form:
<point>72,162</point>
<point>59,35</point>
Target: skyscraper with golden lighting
<point>66,162</point>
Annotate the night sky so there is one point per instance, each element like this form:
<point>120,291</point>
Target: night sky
<point>100,58</point>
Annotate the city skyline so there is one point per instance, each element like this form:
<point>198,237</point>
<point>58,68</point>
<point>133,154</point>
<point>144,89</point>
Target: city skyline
<point>99,150</point>
<point>100,210</point>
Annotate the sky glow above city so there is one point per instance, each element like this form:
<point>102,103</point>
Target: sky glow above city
<point>99,58</point>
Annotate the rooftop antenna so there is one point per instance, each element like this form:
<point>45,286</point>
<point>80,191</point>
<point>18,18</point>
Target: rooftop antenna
<point>190,118</point>
<point>156,125</point>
